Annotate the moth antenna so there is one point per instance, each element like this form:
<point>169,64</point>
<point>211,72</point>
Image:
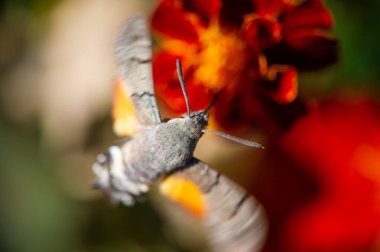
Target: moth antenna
<point>235,139</point>
<point>211,104</point>
<point>183,87</point>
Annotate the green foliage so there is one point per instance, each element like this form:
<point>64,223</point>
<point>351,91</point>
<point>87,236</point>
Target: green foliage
<point>357,27</point>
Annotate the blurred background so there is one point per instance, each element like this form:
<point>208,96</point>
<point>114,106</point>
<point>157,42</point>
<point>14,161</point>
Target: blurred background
<point>56,78</point>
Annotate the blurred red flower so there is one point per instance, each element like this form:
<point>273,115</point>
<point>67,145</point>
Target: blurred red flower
<point>322,186</point>
<point>246,52</point>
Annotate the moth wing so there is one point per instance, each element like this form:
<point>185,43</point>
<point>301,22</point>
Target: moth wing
<point>133,57</point>
<point>234,220</point>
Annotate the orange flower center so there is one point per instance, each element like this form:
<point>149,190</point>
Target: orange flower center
<point>221,58</point>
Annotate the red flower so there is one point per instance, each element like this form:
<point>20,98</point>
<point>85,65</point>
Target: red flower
<point>247,52</point>
<point>324,194</point>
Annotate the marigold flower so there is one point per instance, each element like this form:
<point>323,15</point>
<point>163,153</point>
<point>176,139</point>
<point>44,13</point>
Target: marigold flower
<point>246,52</point>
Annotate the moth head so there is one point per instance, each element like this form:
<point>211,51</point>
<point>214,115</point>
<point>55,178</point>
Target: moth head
<point>196,122</point>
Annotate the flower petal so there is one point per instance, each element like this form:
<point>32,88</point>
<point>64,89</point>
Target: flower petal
<point>305,49</point>
<point>171,21</point>
<point>235,108</point>
<point>268,7</point>
<point>311,13</point>
<point>232,12</point>
<point>164,68</point>
<point>205,9</point>
<point>164,73</point>
<point>169,89</point>
<point>316,46</point>
<point>261,32</point>
<point>284,79</point>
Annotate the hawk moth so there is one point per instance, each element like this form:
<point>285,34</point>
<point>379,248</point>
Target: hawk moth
<point>235,221</point>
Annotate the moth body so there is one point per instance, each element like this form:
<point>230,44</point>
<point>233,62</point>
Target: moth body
<point>127,171</point>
